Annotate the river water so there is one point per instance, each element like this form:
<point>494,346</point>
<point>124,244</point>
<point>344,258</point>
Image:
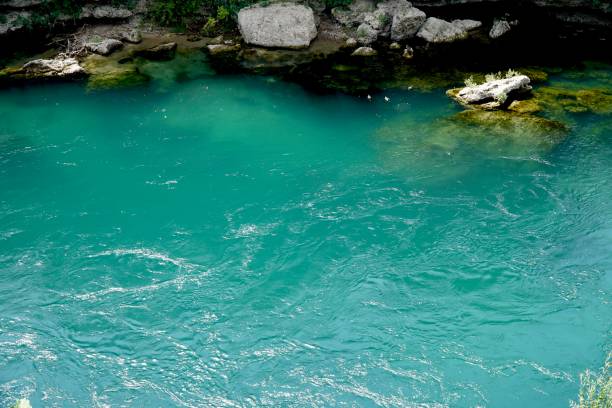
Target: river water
<point>238,241</point>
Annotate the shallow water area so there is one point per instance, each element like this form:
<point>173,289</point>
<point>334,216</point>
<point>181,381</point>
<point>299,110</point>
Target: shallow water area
<point>209,240</point>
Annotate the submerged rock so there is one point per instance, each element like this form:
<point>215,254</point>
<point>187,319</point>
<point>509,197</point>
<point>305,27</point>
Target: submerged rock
<point>436,30</point>
<point>106,73</point>
<point>284,25</point>
<point>492,94</point>
<point>559,100</point>
<point>22,403</point>
<point>162,52</point>
<point>104,47</point>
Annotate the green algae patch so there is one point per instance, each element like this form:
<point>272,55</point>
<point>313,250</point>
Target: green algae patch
<point>563,99</point>
<point>106,73</point>
<point>525,106</point>
<point>500,123</point>
<point>422,147</point>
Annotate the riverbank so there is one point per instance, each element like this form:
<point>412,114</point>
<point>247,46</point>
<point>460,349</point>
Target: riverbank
<point>358,47</point>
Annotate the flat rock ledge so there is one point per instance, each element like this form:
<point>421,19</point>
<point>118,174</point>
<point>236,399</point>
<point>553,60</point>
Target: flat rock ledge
<point>278,25</point>
<point>492,95</point>
<point>104,47</point>
<point>60,68</point>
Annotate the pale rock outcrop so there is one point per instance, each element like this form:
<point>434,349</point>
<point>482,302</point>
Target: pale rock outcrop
<point>53,68</point>
<point>162,52</point>
<point>492,94</point>
<point>105,12</point>
<point>406,22</point>
<point>499,28</point>
<point>364,52</point>
<point>283,25</point>
<point>436,30</point>
<point>105,46</point>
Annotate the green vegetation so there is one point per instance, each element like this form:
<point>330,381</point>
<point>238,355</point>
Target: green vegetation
<point>595,388</point>
<point>215,24</point>
<point>471,81</point>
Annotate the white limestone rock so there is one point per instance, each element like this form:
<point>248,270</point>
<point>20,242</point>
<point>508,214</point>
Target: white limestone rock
<point>282,25</point>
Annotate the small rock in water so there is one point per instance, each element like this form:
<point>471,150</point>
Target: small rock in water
<point>364,52</point>
<point>500,27</point>
<point>395,46</point>
<point>408,52</point>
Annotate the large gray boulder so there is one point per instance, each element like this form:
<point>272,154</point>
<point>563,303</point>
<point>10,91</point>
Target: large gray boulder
<point>436,30</point>
<point>283,25</point>
<point>406,23</point>
<point>492,94</point>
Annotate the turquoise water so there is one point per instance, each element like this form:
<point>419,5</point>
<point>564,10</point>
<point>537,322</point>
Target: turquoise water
<point>237,241</point>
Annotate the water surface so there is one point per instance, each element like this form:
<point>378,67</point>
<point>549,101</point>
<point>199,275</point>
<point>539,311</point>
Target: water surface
<point>237,241</point>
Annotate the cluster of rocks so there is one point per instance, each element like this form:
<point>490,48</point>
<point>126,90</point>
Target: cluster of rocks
<point>294,26</point>
<point>398,20</point>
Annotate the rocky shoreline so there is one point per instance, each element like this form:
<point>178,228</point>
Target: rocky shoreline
<point>360,48</point>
